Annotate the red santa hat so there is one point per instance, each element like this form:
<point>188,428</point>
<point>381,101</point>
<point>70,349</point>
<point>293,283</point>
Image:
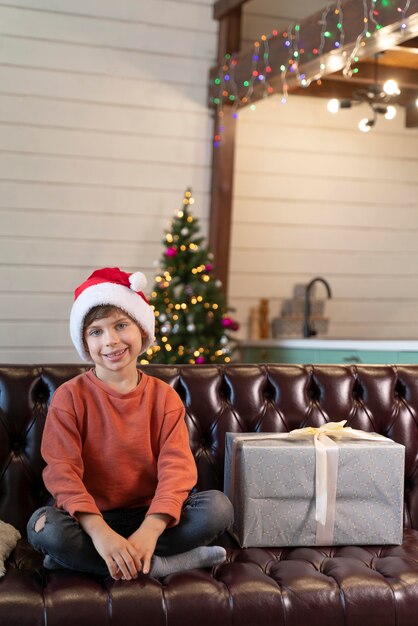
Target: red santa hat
<point>112,286</point>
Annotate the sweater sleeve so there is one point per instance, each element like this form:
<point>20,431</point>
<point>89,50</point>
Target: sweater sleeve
<point>176,467</point>
<point>63,475</point>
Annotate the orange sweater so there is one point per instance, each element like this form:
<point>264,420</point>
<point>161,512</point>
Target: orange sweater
<point>106,450</point>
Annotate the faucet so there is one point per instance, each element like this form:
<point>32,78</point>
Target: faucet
<point>308,331</point>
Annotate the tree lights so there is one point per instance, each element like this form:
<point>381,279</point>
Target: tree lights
<point>192,323</point>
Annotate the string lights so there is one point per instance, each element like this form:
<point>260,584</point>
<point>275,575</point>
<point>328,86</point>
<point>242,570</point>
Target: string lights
<point>332,38</point>
<point>347,70</point>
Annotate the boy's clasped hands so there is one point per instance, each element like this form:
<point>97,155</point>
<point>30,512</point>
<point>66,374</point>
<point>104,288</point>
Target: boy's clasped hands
<point>125,557</point>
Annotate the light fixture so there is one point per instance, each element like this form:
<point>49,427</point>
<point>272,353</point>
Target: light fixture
<point>378,98</point>
<point>333,105</point>
<point>390,112</point>
<point>391,88</point>
<point>365,124</point>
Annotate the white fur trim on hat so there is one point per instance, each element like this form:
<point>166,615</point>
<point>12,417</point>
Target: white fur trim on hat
<point>118,296</point>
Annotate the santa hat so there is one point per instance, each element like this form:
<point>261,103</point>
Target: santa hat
<point>112,286</point>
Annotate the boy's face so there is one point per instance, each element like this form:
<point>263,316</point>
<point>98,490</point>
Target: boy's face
<point>114,342</point>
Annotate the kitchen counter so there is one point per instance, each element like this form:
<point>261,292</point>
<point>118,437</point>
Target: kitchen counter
<point>321,350</point>
<point>341,344</point>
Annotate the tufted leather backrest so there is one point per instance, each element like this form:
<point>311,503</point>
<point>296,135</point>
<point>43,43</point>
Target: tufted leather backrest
<point>218,399</point>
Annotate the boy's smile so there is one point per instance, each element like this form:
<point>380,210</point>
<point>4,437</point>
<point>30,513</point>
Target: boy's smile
<point>114,356</point>
<point>114,343</point>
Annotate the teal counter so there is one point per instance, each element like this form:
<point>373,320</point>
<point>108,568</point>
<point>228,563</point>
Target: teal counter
<point>327,351</point>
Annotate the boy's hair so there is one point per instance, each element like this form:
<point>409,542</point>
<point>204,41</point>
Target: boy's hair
<point>99,312</point>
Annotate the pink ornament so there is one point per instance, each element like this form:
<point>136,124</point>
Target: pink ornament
<point>171,252</point>
<point>200,359</point>
<point>208,267</point>
<point>229,323</point>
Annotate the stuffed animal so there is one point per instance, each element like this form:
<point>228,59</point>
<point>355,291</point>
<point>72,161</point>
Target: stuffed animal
<point>9,537</point>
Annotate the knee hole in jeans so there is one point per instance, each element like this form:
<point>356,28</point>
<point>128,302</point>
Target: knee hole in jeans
<point>40,523</point>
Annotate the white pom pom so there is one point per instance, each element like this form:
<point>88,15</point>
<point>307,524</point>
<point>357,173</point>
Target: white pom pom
<point>138,281</point>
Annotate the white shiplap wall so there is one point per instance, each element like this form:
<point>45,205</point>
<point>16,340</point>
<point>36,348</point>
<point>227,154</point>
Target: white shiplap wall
<point>315,196</point>
<point>103,125</point>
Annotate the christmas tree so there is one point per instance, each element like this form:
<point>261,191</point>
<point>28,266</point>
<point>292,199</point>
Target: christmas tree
<point>192,321</point>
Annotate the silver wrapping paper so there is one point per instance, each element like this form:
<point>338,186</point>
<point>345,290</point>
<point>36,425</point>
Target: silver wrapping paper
<point>271,483</point>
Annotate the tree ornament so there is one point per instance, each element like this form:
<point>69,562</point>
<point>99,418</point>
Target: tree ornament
<point>171,252</point>
<point>229,323</point>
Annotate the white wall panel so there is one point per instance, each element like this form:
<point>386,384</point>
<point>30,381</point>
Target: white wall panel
<point>117,35</point>
<point>103,125</point>
<point>99,173</point>
<point>125,92</point>
<point>169,13</point>
<point>314,196</point>
<point>333,263</point>
<point>126,228</point>
<point>313,238</point>
<point>101,118</point>
<point>368,214</point>
<point>76,59</point>
<point>42,280</point>
<point>63,252</point>
<point>119,148</point>
<point>335,135</point>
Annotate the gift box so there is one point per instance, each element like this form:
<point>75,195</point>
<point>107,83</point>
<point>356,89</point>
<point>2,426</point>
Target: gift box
<point>315,486</point>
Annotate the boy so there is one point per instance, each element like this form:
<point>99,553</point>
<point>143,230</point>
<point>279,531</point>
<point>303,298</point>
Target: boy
<point>116,445</point>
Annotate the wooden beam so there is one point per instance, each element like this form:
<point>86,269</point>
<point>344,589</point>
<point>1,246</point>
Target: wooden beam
<point>229,34</point>
<point>221,197</point>
<point>221,8</point>
<point>391,34</point>
<point>412,116</point>
<point>346,90</point>
<point>410,43</point>
<point>223,160</point>
<point>405,77</point>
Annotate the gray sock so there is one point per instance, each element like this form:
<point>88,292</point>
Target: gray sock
<point>204,556</point>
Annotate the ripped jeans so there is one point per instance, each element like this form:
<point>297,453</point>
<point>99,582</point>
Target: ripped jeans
<point>204,516</point>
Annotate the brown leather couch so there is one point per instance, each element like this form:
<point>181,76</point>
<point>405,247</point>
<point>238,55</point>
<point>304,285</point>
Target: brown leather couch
<point>342,586</point>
